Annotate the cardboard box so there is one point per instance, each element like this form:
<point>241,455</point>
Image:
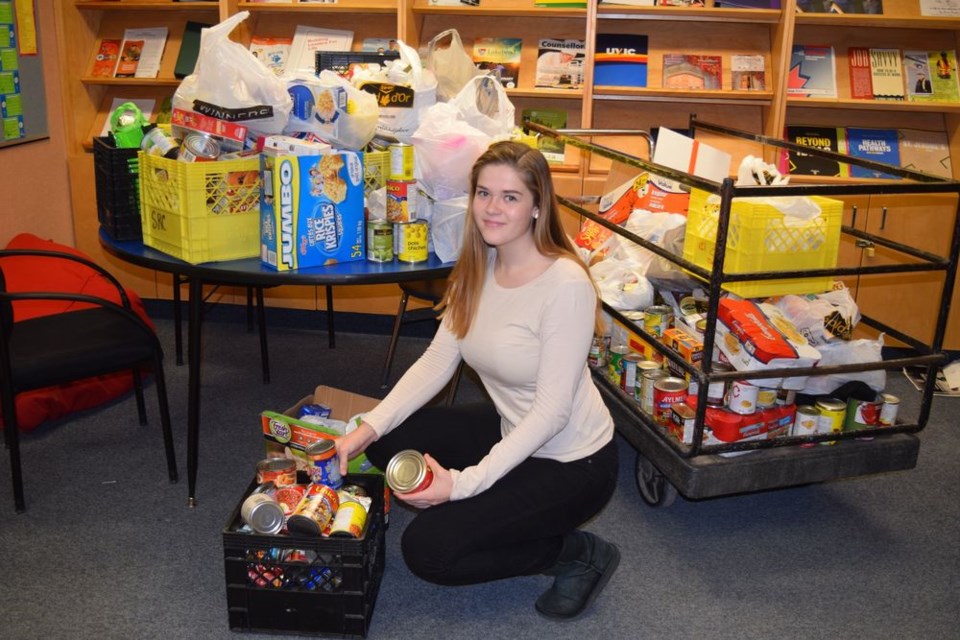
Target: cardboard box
<point>285,433</point>
<point>311,210</point>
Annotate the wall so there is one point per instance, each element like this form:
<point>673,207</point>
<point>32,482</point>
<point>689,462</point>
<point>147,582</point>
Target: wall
<point>36,196</point>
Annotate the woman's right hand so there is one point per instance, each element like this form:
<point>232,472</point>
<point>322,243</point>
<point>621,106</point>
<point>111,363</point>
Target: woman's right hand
<point>353,444</point>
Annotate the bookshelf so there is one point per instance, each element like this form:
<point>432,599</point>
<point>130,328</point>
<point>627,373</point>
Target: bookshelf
<point>694,30</point>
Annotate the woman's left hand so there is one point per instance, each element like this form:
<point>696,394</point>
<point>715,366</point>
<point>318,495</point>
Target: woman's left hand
<point>437,493</point>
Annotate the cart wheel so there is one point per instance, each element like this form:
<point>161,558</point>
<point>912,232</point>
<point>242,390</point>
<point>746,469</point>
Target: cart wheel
<point>654,487</point>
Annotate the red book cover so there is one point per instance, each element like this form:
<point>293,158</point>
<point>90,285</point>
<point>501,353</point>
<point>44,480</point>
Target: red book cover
<point>861,77</point>
<point>106,59</point>
<point>129,58</point>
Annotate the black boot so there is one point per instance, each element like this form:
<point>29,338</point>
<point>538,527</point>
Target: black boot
<point>584,567</point>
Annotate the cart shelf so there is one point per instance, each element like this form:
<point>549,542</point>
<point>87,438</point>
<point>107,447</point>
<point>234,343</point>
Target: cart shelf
<point>697,470</point>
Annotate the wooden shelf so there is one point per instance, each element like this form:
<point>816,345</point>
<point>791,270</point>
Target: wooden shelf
<point>124,5</point>
<point>874,105</point>
<point>689,14</point>
<point>354,6</point>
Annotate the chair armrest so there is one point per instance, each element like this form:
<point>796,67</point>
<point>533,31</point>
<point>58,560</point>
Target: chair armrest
<point>11,253</point>
<point>14,297</point>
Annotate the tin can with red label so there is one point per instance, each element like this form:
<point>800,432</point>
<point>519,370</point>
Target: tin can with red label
<point>401,200</point>
<point>408,472</point>
<point>862,414</point>
<point>889,410</point>
<point>281,471</point>
<point>315,511</point>
<point>667,392</point>
<point>742,397</point>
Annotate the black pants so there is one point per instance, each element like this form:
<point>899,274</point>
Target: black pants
<point>513,528</point>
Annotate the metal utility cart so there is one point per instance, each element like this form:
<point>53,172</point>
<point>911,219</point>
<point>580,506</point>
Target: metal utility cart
<point>664,465</point>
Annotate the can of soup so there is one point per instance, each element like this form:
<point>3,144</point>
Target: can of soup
<point>408,472</point>
<point>261,511</point>
<point>889,410</point>
<point>667,392</point>
<point>647,381</point>
<point>742,398</point>
<point>280,471</point>
<point>315,511</point>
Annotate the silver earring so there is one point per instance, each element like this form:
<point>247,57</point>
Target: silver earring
<point>536,214</point>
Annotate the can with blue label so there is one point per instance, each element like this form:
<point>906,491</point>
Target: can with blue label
<point>325,468</point>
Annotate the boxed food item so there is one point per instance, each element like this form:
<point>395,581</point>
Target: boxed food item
<point>311,210</point>
<point>285,433</point>
<point>752,342</point>
<point>294,583</point>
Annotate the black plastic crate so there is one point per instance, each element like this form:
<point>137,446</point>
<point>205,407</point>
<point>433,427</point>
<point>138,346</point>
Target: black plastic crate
<point>118,189</point>
<point>333,595</point>
<point>339,61</point>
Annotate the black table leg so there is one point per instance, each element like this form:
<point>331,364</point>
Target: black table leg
<point>330,335</point>
<point>193,387</point>
<point>177,331</point>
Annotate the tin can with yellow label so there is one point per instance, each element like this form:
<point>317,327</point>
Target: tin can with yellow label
<point>412,241</point>
<point>832,413</point>
<point>315,511</point>
<point>350,519</point>
<point>401,161</point>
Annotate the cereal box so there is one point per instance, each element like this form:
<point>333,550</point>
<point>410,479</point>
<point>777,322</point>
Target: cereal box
<point>311,210</point>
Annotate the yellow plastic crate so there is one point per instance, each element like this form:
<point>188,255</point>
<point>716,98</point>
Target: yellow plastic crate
<point>376,170</point>
<point>201,211</point>
<point>758,240</point>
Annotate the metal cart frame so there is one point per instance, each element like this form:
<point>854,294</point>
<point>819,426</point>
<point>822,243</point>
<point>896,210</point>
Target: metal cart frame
<point>665,465</point>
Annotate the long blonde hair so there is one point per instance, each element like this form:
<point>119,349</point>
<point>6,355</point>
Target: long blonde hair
<point>462,298</point>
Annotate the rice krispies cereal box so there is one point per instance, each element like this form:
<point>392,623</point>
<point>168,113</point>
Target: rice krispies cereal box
<point>311,209</point>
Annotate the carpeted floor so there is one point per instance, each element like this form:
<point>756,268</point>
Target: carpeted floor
<point>108,549</point>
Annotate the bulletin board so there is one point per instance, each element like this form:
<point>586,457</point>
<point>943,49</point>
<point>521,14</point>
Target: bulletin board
<point>23,107</point>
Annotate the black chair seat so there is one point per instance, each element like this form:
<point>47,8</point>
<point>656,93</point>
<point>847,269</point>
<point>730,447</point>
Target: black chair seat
<point>105,336</point>
<point>77,345</point>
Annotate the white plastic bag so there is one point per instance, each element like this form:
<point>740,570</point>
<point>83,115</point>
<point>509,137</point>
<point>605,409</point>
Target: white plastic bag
<point>229,83</point>
<point>332,108</point>
<point>445,148</point>
<point>403,89</point>
<point>484,105</point>
<point>847,352</point>
<point>446,227</point>
<point>452,66</point>
<point>621,285</point>
<point>452,135</point>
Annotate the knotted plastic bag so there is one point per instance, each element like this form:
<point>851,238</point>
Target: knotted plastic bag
<point>229,83</point>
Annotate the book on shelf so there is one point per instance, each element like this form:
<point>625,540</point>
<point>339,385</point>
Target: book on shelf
<point>825,138</point>
<point>931,76</point>
<point>680,3</point>
<point>926,151</point>
<point>688,71</point>
<point>308,40</point>
<point>271,51</point>
<point>551,148</point>
<point>568,4</point>
<point>500,57</point>
<point>747,4</point>
<point>886,74</point>
<point>189,49</point>
<point>879,145</point>
<point>840,6</point>
<point>105,60</point>
<point>748,72</point>
<point>454,3</point>
<point>560,63</point>
<point>141,52</point>
<point>813,72</point>
<point>940,8</point>
<point>621,60</point>
<point>861,74</point>
<point>630,3</point>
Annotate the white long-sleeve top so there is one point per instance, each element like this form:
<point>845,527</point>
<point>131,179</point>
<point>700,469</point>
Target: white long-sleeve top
<point>529,346</point>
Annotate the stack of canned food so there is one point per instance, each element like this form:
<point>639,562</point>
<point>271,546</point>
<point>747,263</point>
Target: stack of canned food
<point>404,234</point>
<point>736,410</point>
